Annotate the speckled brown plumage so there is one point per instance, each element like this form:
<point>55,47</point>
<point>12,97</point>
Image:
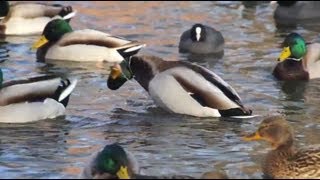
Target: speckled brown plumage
<point>285,161</point>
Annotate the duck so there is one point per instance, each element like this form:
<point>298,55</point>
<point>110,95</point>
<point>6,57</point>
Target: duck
<point>173,84</point>
<point>111,162</point>
<point>201,39</point>
<point>35,98</point>
<point>284,160</point>
<point>30,18</point>
<point>298,61</point>
<point>115,162</point>
<point>292,12</point>
<point>60,42</point>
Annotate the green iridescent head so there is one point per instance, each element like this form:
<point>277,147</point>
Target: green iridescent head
<point>113,160</point>
<point>294,47</point>
<point>4,8</point>
<point>53,31</point>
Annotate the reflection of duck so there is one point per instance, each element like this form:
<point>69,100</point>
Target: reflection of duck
<point>294,90</point>
<point>29,18</point>
<point>201,39</point>
<point>60,42</point>
<point>34,99</point>
<point>295,11</point>
<point>284,161</point>
<point>210,59</point>
<point>180,87</point>
<point>297,60</point>
<point>114,162</point>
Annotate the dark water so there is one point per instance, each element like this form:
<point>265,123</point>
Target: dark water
<point>163,143</point>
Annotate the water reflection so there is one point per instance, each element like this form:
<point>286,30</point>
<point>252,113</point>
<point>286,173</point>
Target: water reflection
<point>4,52</point>
<point>206,60</point>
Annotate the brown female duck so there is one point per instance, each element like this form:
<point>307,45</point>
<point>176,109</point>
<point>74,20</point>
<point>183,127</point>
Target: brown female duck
<point>284,161</point>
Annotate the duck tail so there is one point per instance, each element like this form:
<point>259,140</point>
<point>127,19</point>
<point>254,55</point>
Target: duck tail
<point>241,113</point>
<point>67,13</point>
<point>70,15</point>
<point>64,90</point>
<point>130,49</point>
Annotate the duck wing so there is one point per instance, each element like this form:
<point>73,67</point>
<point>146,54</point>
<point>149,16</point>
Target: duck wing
<point>306,162</point>
<point>34,89</point>
<point>96,38</point>
<point>211,91</point>
<point>38,10</point>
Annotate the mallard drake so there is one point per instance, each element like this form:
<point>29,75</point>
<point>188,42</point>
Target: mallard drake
<point>32,99</point>
<point>292,12</point>
<point>60,42</point>
<point>180,87</point>
<point>297,60</point>
<point>201,39</point>
<point>29,18</point>
<point>284,161</point>
<point>114,162</point>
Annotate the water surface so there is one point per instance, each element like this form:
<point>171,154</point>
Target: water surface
<point>163,143</point>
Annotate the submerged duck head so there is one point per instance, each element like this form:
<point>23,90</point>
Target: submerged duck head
<point>53,31</point>
<point>4,8</point>
<point>294,48</point>
<point>120,73</point>
<point>274,130</point>
<point>112,163</point>
<point>198,32</point>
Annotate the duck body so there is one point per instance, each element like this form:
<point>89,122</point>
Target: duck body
<point>298,61</point>
<point>290,70</point>
<point>60,42</point>
<point>34,99</point>
<point>201,39</point>
<point>87,45</point>
<point>184,88</point>
<point>284,161</point>
<point>28,18</point>
<point>296,11</point>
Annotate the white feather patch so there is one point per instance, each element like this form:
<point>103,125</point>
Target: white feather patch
<point>134,48</point>
<point>198,33</point>
<point>245,117</point>
<point>68,90</point>
<point>273,2</point>
<point>70,15</point>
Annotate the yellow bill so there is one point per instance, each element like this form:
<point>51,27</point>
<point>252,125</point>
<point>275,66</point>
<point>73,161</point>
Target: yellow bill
<point>115,71</point>
<point>284,54</point>
<point>252,137</point>
<point>123,173</point>
<point>42,41</point>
